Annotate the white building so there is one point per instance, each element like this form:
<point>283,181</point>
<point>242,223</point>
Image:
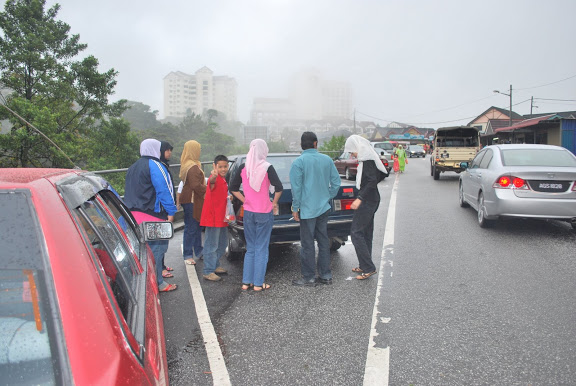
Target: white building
<point>185,94</point>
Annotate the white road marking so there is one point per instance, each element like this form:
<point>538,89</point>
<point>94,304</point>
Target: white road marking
<point>377,369</point>
<point>218,368</point>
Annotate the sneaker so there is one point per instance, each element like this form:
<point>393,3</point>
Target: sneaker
<point>220,270</point>
<point>212,277</point>
<point>304,282</point>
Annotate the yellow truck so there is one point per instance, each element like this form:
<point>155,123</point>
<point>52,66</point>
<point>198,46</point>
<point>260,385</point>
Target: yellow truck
<point>452,146</point>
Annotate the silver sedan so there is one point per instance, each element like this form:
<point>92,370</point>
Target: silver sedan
<point>536,181</point>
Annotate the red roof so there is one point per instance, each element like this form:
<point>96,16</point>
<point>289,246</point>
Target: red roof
<point>525,123</point>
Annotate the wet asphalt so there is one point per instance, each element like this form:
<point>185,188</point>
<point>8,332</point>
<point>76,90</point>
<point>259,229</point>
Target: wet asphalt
<point>461,304</point>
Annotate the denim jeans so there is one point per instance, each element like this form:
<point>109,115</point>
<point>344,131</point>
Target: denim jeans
<point>362,232</point>
<point>215,243</point>
<point>310,229</point>
<point>159,249</point>
<point>192,238</point>
<point>257,230</point>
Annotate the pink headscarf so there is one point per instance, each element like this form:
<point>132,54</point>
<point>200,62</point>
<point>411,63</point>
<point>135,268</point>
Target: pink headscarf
<point>256,165</point>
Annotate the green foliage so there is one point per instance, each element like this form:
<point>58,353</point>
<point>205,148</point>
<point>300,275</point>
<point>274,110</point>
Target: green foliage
<point>276,147</point>
<point>333,147</point>
<point>140,117</point>
<point>65,99</point>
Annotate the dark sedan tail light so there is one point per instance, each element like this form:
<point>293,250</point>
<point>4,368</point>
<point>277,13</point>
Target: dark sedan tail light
<point>510,182</point>
<point>343,204</point>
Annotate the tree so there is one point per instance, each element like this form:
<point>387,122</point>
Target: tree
<point>333,147</point>
<point>65,99</point>
<point>140,116</point>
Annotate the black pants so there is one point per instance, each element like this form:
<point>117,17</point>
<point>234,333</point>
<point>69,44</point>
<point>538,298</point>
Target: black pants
<point>362,232</point>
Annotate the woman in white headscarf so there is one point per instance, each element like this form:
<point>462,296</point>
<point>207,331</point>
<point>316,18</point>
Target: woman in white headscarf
<point>257,177</point>
<point>371,171</point>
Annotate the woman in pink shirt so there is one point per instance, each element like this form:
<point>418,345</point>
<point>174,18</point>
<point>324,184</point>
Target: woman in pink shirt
<point>257,178</point>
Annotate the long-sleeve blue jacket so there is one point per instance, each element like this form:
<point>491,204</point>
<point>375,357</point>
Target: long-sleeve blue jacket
<point>149,188</point>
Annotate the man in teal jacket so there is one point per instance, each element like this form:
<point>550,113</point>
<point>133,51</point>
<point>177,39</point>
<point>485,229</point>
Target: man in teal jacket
<point>315,181</point>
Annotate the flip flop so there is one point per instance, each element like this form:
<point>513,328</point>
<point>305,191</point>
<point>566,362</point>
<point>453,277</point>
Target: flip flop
<point>262,287</point>
<point>168,288</point>
<point>190,261</point>
<point>365,275</point>
<point>167,274</point>
<point>169,268</point>
<point>357,269</point>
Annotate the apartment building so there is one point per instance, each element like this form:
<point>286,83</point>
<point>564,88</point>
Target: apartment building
<point>185,94</point>
<point>310,98</point>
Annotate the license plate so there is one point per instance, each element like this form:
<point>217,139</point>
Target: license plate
<point>550,186</point>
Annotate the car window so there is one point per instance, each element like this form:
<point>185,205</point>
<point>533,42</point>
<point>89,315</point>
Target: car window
<point>122,217</point>
<point>282,165</point>
<point>486,160</point>
<point>118,263</point>
<point>476,161</point>
<point>28,323</point>
<point>538,157</point>
<point>416,148</point>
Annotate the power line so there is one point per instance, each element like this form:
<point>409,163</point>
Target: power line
<point>560,100</point>
<point>547,84</point>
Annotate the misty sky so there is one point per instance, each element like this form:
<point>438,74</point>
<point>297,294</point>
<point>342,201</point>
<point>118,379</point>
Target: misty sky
<point>414,61</point>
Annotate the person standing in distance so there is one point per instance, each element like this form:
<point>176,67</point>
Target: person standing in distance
<point>149,191</point>
<point>370,172</point>
<point>315,181</point>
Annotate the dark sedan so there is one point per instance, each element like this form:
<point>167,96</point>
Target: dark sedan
<point>285,228</point>
<point>416,151</point>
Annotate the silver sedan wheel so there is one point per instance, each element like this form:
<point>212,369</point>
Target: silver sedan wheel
<point>461,200</point>
<point>482,221</point>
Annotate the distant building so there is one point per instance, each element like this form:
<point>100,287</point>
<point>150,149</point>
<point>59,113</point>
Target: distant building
<point>253,132</point>
<point>311,99</point>
<point>185,94</point>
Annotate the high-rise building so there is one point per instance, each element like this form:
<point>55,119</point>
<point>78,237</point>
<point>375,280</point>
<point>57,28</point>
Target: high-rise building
<point>185,94</point>
<point>310,98</point>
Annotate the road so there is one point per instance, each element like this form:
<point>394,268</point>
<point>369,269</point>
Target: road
<point>452,304</point>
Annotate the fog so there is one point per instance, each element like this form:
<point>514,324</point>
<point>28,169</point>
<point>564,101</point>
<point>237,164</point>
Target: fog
<point>427,63</point>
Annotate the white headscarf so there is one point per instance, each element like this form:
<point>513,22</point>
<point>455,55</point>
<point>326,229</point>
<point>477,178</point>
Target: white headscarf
<point>150,148</point>
<point>360,145</point>
<point>256,165</point>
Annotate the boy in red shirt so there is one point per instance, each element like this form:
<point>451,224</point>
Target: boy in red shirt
<point>213,213</point>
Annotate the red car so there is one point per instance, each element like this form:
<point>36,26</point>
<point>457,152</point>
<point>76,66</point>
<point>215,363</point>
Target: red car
<point>347,165</point>
<point>79,302</point>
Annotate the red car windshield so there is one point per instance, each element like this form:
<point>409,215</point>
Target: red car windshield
<point>28,353</point>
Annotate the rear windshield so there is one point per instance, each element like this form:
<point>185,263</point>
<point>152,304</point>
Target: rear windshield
<point>538,157</point>
<point>384,145</point>
<point>457,138</point>
<point>27,349</point>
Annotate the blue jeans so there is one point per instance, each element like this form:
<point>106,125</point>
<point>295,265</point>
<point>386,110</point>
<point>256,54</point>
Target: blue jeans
<point>310,229</point>
<point>215,243</point>
<point>192,238</point>
<point>257,230</point>
<point>159,249</point>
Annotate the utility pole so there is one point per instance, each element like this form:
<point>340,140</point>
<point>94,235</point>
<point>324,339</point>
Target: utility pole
<point>510,120</point>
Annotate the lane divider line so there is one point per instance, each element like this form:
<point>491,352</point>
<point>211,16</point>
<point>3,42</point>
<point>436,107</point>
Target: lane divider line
<point>377,370</point>
<point>218,368</point>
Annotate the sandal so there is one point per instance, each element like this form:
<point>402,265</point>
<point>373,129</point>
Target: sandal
<point>247,286</point>
<point>365,275</point>
<point>357,269</point>
<point>168,288</point>
<point>169,268</point>
<point>165,273</point>
<point>262,287</point>
<point>190,261</point>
